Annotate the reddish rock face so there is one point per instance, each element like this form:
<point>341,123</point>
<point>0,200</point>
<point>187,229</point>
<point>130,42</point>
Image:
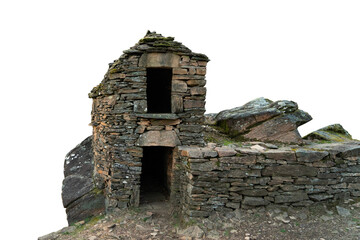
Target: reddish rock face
<point>279,129</point>
<point>264,120</point>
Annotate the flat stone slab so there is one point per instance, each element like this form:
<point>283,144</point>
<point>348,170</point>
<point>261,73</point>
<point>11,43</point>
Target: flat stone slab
<point>290,170</point>
<point>255,201</point>
<point>225,151</point>
<point>320,197</point>
<point>255,192</point>
<point>291,197</point>
<point>158,116</point>
<point>305,155</point>
<point>281,154</point>
<point>159,138</point>
<point>191,152</point>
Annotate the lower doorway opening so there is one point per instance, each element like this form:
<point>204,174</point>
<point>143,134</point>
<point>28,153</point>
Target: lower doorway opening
<point>156,174</point>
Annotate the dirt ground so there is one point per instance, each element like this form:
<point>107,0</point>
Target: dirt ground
<point>157,220</point>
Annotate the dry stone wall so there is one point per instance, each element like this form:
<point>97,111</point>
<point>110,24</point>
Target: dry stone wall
<point>226,178</point>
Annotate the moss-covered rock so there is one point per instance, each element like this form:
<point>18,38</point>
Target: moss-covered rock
<point>331,133</point>
<point>152,42</point>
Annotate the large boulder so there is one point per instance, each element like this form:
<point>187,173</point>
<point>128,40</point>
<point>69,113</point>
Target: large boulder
<point>80,196</point>
<point>264,120</point>
<point>331,133</point>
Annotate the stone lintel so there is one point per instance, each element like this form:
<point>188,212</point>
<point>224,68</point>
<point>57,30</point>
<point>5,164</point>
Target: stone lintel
<point>159,138</point>
<point>167,60</point>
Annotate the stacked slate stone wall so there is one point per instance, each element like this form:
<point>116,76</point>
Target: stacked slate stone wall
<point>121,124</point>
<point>226,178</point>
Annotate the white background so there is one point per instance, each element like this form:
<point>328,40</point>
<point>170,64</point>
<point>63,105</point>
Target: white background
<point>53,52</point>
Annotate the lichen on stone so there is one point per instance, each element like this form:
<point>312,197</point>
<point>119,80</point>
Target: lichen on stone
<point>96,91</point>
<point>331,133</point>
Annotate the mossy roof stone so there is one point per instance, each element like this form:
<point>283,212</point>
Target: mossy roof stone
<point>151,42</point>
<point>332,133</point>
<point>155,42</point>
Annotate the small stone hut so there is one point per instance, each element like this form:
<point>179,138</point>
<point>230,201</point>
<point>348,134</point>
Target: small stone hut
<point>151,101</point>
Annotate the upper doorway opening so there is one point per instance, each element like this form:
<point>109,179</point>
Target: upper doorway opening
<point>158,90</point>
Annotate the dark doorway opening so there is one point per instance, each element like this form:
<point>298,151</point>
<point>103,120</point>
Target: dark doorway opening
<point>156,174</point>
<point>158,90</point>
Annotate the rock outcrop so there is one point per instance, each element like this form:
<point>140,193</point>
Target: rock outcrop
<point>80,196</point>
<point>264,120</point>
<point>332,133</point>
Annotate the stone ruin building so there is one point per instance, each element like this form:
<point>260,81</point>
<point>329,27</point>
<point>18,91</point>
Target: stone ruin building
<point>148,136</point>
<point>151,100</point>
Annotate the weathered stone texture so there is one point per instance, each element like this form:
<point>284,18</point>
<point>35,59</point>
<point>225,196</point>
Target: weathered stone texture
<point>264,120</point>
<point>228,177</point>
<point>74,187</point>
<point>80,196</point>
<point>290,170</point>
<point>158,138</point>
<point>286,155</point>
<point>291,197</point>
<point>333,133</point>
